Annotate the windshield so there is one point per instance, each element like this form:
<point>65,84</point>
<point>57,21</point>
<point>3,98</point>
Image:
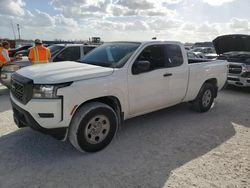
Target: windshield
<point>54,49</point>
<point>113,55</point>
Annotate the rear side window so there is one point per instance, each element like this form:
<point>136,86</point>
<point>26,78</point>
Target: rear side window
<point>69,54</point>
<point>173,55</point>
<point>155,55</point>
<point>87,49</point>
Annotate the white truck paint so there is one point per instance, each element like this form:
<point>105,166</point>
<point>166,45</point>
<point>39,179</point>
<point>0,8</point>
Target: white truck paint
<point>235,49</point>
<point>136,94</point>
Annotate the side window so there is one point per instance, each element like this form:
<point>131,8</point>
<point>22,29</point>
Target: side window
<point>174,55</point>
<point>87,49</point>
<point>69,54</point>
<point>155,55</point>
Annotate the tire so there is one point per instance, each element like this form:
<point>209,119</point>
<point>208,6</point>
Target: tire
<point>93,127</point>
<point>205,98</point>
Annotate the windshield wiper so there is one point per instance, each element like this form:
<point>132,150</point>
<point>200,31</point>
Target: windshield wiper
<point>101,64</point>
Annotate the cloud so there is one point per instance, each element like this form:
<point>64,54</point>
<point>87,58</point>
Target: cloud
<point>106,8</point>
<point>68,22</point>
<point>173,1</point>
<point>184,20</point>
<point>217,2</point>
<point>240,24</point>
<point>164,24</point>
<point>12,7</point>
<point>136,26</point>
<point>81,8</point>
<point>135,4</point>
<point>37,19</point>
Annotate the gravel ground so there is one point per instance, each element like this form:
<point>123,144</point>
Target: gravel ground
<point>174,147</point>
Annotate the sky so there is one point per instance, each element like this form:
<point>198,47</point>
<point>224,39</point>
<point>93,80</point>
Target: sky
<point>140,20</point>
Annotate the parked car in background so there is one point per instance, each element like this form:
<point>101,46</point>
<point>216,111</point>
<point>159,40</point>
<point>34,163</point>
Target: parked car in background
<point>211,56</point>
<point>193,55</point>
<point>199,55</point>
<point>205,52</point>
<point>88,100</point>
<point>236,50</point>
<point>59,52</point>
<point>12,52</point>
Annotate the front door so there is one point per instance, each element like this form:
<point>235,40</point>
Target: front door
<point>149,90</point>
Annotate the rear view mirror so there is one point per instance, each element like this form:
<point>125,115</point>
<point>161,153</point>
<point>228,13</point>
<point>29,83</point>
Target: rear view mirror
<point>140,67</point>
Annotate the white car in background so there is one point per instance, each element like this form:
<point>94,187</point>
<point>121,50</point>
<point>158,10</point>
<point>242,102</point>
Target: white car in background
<point>205,52</point>
<point>236,50</point>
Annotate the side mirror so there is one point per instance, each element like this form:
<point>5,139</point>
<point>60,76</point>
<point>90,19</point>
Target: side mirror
<point>140,67</point>
<point>58,58</point>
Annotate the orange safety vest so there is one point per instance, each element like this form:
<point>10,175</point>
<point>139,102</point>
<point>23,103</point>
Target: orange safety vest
<point>3,61</point>
<point>39,54</point>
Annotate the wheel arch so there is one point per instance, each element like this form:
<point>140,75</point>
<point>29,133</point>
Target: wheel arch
<point>111,101</point>
<point>214,82</point>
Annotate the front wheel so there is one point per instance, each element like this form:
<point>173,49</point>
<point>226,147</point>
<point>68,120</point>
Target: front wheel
<point>205,98</point>
<point>93,127</point>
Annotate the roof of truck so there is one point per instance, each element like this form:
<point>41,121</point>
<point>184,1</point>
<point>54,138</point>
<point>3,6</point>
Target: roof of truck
<point>146,42</point>
<point>75,44</point>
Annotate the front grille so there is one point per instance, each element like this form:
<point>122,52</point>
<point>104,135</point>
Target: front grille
<point>17,90</point>
<point>21,88</point>
<point>236,59</point>
<point>235,69</point>
<point>233,79</point>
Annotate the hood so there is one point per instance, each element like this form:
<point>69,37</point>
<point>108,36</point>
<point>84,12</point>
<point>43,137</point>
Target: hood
<point>232,43</point>
<point>22,63</point>
<point>66,71</point>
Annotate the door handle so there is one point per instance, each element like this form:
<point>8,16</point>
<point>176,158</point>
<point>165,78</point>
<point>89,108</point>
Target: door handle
<point>167,74</point>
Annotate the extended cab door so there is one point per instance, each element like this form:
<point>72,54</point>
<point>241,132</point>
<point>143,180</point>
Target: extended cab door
<point>149,90</point>
<point>87,49</point>
<point>71,53</point>
<point>177,65</point>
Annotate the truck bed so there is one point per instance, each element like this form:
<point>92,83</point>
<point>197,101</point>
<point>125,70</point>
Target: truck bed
<point>216,69</point>
<point>191,61</point>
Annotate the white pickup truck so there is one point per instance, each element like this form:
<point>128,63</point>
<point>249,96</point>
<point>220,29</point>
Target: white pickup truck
<point>235,49</point>
<point>87,102</point>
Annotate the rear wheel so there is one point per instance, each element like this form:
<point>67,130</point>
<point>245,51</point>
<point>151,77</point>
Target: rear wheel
<point>93,127</point>
<point>205,98</point>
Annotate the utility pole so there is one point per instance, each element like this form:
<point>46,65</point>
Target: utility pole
<point>14,34</point>
<point>18,29</point>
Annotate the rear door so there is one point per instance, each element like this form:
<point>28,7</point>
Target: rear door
<point>87,49</point>
<point>71,53</point>
<point>178,68</point>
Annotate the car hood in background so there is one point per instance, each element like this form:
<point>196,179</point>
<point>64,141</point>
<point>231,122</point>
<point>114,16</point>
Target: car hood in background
<point>232,43</point>
<point>65,71</point>
<point>22,63</point>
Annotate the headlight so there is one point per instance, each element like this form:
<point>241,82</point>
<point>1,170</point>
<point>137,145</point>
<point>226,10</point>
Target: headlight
<point>246,68</point>
<point>11,68</point>
<point>44,91</point>
<point>47,91</point>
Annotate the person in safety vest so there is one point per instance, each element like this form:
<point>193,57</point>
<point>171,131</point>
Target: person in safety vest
<point>4,54</point>
<point>39,54</point>
<point>1,64</point>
